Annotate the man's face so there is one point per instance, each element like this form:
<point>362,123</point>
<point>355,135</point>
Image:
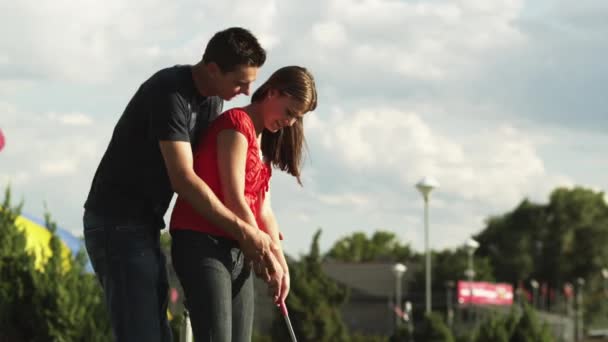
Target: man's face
<point>233,83</point>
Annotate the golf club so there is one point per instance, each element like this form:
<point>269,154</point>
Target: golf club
<point>283,308</point>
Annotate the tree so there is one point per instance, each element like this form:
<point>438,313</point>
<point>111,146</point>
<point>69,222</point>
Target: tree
<point>493,329</point>
<point>402,334</point>
<point>16,271</point>
<point>381,246</point>
<point>314,302</point>
<point>529,329</point>
<point>60,303</point>
<point>433,329</point>
<point>553,243</point>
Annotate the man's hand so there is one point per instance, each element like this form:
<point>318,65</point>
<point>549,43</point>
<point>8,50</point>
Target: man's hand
<point>258,249</point>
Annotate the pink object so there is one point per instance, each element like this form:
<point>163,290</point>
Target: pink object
<point>484,293</point>
<point>1,140</point>
<point>174,295</point>
<point>283,308</point>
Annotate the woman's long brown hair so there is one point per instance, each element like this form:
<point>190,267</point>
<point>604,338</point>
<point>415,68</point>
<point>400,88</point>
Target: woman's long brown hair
<point>283,149</point>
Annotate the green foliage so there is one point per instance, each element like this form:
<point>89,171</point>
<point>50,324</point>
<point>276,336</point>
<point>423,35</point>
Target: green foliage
<point>382,246</point>
<point>433,329</point>
<point>554,243</point>
<point>530,329</point>
<point>314,302</point>
<point>493,329</point>
<point>514,327</point>
<point>402,334</point>
<point>57,304</point>
<point>257,337</point>
<point>467,336</point>
<point>367,338</point>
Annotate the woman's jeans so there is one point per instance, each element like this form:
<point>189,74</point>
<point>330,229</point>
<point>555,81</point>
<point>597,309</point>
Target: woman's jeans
<point>218,286</point>
<point>128,261</point>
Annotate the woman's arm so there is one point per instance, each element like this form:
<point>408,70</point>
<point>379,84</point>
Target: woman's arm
<point>231,159</point>
<point>269,222</point>
<point>185,182</point>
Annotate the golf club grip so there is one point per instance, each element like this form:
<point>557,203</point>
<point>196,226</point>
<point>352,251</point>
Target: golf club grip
<point>283,308</point>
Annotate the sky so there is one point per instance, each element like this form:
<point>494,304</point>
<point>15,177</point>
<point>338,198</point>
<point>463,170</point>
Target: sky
<point>498,100</point>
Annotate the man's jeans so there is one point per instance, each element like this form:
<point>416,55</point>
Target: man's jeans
<point>128,261</point>
<point>218,286</point>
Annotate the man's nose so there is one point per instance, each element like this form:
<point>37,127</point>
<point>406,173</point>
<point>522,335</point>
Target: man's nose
<point>246,90</point>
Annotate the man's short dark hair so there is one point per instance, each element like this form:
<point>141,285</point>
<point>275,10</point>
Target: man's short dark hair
<point>233,47</point>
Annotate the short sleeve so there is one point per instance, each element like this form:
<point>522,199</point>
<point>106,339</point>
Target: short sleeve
<point>235,119</point>
<point>169,118</point>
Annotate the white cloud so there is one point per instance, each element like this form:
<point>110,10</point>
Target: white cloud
<point>58,167</point>
<point>71,119</point>
<point>497,166</point>
<point>110,39</point>
<point>330,35</point>
<point>356,200</point>
<point>407,89</point>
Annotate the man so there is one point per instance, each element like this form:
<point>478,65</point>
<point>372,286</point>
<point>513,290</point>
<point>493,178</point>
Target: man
<point>148,159</point>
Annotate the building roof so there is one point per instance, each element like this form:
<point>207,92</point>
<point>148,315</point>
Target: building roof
<point>374,279</point>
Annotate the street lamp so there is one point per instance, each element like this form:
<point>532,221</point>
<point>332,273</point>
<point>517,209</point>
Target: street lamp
<point>449,288</point>
<point>471,246</point>
<point>425,186</point>
<point>398,270</point>
<point>580,283</point>
<point>534,285</point>
<point>605,276</point>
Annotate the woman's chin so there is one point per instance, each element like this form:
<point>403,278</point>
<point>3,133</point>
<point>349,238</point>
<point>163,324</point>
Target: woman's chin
<point>273,129</point>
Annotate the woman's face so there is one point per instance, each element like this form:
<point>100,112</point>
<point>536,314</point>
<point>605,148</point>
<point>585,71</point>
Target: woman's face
<point>280,111</point>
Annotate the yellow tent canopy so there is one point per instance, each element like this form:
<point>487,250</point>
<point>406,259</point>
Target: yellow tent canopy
<point>38,238</point>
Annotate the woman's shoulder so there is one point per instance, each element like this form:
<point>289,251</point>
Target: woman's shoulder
<point>237,119</point>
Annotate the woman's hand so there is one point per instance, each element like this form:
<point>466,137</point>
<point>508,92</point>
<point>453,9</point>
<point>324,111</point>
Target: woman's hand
<point>280,291</point>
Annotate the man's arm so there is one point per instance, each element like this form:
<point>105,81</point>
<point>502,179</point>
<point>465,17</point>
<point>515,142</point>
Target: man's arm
<point>186,183</point>
<point>231,160</point>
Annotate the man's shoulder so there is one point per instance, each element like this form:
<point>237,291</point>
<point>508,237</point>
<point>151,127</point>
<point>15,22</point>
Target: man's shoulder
<point>171,77</point>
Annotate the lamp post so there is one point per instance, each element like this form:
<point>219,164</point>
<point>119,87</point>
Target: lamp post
<point>471,246</point>
<point>425,186</point>
<point>605,277</point>
<point>534,285</point>
<point>449,288</point>
<point>580,283</point>
<point>398,270</point>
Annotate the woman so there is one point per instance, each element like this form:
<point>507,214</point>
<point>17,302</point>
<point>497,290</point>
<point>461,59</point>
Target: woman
<point>234,158</point>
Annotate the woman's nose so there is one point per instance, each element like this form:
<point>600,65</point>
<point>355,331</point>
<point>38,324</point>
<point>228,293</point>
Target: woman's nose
<point>289,122</point>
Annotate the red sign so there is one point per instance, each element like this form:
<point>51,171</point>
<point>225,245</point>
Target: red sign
<point>1,140</point>
<point>484,293</point>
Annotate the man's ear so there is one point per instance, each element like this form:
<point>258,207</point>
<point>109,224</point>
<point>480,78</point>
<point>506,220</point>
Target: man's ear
<point>272,93</point>
<point>213,69</point>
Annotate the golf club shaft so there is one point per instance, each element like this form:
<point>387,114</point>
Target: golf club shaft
<point>290,328</point>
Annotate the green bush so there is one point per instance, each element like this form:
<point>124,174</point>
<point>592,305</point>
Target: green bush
<point>493,329</point>
<point>530,329</point>
<point>433,329</point>
<point>402,334</point>
<point>314,303</point>
<point>58,303</point>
